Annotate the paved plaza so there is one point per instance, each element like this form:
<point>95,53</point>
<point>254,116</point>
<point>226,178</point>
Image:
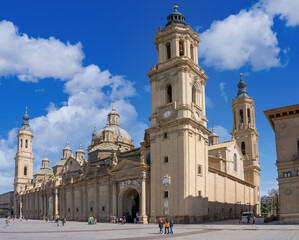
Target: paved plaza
<point>231,230</point>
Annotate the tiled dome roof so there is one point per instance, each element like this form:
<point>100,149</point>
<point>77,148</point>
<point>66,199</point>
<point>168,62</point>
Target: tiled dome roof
<point>105,146</point>
<point>44,172</point>
<point>60,163</point>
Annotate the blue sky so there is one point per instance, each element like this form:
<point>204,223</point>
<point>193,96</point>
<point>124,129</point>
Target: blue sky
<point>67,60</point>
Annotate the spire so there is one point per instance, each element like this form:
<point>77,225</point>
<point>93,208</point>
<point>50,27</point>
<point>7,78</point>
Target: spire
<point>93,134</point>
<point>67,147</point>
<point>213,134</point>
<point>113,106</point>
<point>175,18</point>
<point>25,124</point>
<point>80,148</point>
<point>242,92</point>
<point>46,156</point>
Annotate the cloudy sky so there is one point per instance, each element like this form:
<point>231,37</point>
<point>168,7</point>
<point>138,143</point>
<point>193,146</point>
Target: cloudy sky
<point>67,60</point>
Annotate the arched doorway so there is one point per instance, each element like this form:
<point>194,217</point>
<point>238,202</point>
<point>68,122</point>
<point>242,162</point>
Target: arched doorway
<point>129,204</point>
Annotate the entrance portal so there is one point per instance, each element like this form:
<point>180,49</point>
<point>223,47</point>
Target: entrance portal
<point>130,202</point>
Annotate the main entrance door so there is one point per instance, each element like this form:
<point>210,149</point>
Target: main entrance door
<point>130,204</point>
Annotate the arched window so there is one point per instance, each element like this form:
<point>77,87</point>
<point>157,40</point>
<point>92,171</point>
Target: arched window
<point>243,148</point>
<point>169,94</point>
<point>181,48</point>
<point>193,94</point>
<point>241,116</point>
<point>26,143</point>
<point>113,119</point>
<point>25,171</point>
<point>235,162</point>
<point>248,114</point>
<point>21,143</point>
<point>191,52</point>
<point>234,119</point>
<point>168,50</point>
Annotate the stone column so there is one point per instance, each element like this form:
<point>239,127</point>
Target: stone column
<point>114,203</point>
<point>21,207</point>
<point>56,202</point>
<point>143,216</point>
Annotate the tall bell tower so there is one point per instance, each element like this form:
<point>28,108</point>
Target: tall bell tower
<point>178,133</point>
<point>246,136</point>
<point>23,161</point>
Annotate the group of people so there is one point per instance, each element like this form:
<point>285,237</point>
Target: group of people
<point>121,220</point>
<point>63,221</point>
<point>168,224</point>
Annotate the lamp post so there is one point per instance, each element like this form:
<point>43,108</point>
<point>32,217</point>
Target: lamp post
<point>239,210</point>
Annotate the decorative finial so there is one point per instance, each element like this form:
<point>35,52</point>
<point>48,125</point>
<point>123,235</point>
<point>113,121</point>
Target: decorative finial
<point>113,105</point>
<point>241,76</point>
<point>213,129</point>
<point>46,155</point>
<point>175,8</point>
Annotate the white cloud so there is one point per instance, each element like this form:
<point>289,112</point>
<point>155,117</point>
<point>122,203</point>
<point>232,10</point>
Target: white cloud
<point>222,133</point>
<point>286,9</point>
<point>244,38</point>
<point>222,92</point>
<point>147,88</point>
<point>89,91</point>
<point>209,102</point>
<point>32,59</point>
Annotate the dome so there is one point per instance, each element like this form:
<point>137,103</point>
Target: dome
<point>44,172</point>
<point>118,132</point>
<point>176,17</point>
<point>105,146</point>
<point>60,163</point>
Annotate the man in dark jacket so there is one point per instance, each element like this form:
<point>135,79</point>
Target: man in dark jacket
<point>161,227</point>
<point>171,226</point>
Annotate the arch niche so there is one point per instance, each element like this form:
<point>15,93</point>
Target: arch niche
<point>129,203</point>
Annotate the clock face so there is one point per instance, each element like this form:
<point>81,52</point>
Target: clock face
<point>196,116</point>
<point>166,114</point>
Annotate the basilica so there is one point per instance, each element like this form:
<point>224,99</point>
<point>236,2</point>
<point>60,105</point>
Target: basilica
<point>181,170</point>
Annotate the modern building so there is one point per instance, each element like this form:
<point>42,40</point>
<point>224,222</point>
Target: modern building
<point>285,123</point>
<point>7,203</point>
<point>181,171</point>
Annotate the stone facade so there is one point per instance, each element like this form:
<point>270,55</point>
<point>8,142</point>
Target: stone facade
<point>285,123</point>
<point>181,171</point>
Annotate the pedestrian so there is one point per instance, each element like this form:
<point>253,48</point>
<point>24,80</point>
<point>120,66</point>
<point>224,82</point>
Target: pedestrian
<point>161,226</point>
<point>248,219</point>
<point>6,222</point>
<point>57,221</point>
<point>62,222</point>
<point>167,224</point>
<point>253,221</point>
<point>171,226</point>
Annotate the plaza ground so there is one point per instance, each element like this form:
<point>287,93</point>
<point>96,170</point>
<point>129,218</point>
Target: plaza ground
<point>230,230</point>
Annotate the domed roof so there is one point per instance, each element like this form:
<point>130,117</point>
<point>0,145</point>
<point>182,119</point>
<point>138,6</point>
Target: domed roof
<point>60,163</point>
<point>118,132</point>
<point>176,17</point>
<point>105,146</point>
<point>44,172</point>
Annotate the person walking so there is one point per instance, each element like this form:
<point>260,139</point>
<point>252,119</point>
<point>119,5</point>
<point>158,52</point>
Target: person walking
<point>171,226</point>
<point>253,220</point>
<point>6,222</point>
<point>161,225</point>
<point>167,224</point>
<point>57,221</point>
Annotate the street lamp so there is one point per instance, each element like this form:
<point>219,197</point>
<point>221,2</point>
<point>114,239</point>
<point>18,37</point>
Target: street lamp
<point>239,213</point>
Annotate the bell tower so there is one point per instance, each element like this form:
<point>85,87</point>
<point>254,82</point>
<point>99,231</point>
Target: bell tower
<point>178,133</point>
<point>246,136</point>
<point>23,160</point>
